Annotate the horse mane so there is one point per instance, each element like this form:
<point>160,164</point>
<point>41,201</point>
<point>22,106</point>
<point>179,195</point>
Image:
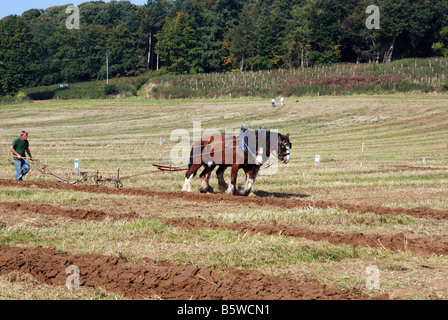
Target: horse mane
<point>257,132</point>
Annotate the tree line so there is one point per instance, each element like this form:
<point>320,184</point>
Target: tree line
<point>202,36</point>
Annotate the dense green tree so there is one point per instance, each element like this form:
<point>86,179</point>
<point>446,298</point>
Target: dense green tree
<point>256,41</point>
<point>152,17</point>
<point>80,54</point>
<point>363,42</point>
<point>327,25</point>
<point>43,29</point>
<point>114,13</point>
<point>120,49</point>
<point>269,41</point>
<point>404,25</point>
<point>31,14</point>
<point>90,11</point>
<point>178,44</point>
<point>214,19</point>
<point>441,47</point>
<point>17,53</point>
<point>212,36</point>
<point>56,13</point>
<point>185,6</point>
<point>440,16</point>
<point>297,40</point>
<point>241,39</point>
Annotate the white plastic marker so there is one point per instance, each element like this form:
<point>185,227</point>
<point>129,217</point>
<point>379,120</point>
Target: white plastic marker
<point>78,166</point>
<point>317,159</point>
<point>424,161</point>
<point>362,150</point>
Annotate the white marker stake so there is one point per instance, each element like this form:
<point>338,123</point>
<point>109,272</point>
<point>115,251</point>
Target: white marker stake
<point>362,150</point>
<point>317,159</point>
<point>78,166</point>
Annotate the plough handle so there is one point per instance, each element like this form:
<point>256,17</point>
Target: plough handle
<point>169,168</point>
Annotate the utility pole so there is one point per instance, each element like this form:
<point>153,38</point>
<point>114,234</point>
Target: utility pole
<point>107,68</point>
<point>149,65</point>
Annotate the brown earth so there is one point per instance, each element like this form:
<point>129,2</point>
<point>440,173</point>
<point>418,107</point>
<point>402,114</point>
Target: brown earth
<point>396,242</point>
<point>420,212</point>
<point>156,279</point>
<point>162,280</point>
<point>356,81</point>
<point>76,214</point>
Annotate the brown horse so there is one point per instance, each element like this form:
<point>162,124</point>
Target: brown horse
<point>248,151</point>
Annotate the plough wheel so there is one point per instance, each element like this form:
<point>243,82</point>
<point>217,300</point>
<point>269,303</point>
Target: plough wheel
<point>92,180</point>
<point>118,185</point>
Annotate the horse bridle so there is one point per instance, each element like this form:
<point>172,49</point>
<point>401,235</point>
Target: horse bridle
<point>282,150</point>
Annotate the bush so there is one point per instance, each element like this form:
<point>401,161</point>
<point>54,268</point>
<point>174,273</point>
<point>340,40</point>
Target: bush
<point>21,95</point>
<point>44,94</point>
<point>110,89</point>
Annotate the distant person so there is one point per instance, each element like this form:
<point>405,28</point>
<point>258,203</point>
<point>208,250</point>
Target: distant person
<point>273,102</point>
<point>282,101</point>
<point>18,148</point>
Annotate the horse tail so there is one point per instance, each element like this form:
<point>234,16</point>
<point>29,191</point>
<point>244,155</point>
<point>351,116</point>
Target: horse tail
<point>190,163</point>
<point>196,152</point>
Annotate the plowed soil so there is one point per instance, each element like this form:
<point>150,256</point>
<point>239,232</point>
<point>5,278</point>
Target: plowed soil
<point>260,201</point>
<point>158,279</point>
<point>397,242</point>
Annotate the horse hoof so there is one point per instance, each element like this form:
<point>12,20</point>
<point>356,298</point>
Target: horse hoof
<point>244,192</point>
<point>186,188</point>
<point>208,190</point>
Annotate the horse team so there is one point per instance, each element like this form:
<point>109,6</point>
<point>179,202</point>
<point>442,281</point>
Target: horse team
<point>248,150</point>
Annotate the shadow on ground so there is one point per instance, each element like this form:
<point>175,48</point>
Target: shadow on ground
<point>265,194</point>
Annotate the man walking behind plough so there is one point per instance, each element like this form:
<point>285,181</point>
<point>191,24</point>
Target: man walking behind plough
<point>18,147</point>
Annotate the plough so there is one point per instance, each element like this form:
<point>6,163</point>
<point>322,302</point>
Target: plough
<point>96,178</point>
<point>168,168</point>
<point>42,168</point>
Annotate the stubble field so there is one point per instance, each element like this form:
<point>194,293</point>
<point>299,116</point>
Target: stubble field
<point>309,231</point>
